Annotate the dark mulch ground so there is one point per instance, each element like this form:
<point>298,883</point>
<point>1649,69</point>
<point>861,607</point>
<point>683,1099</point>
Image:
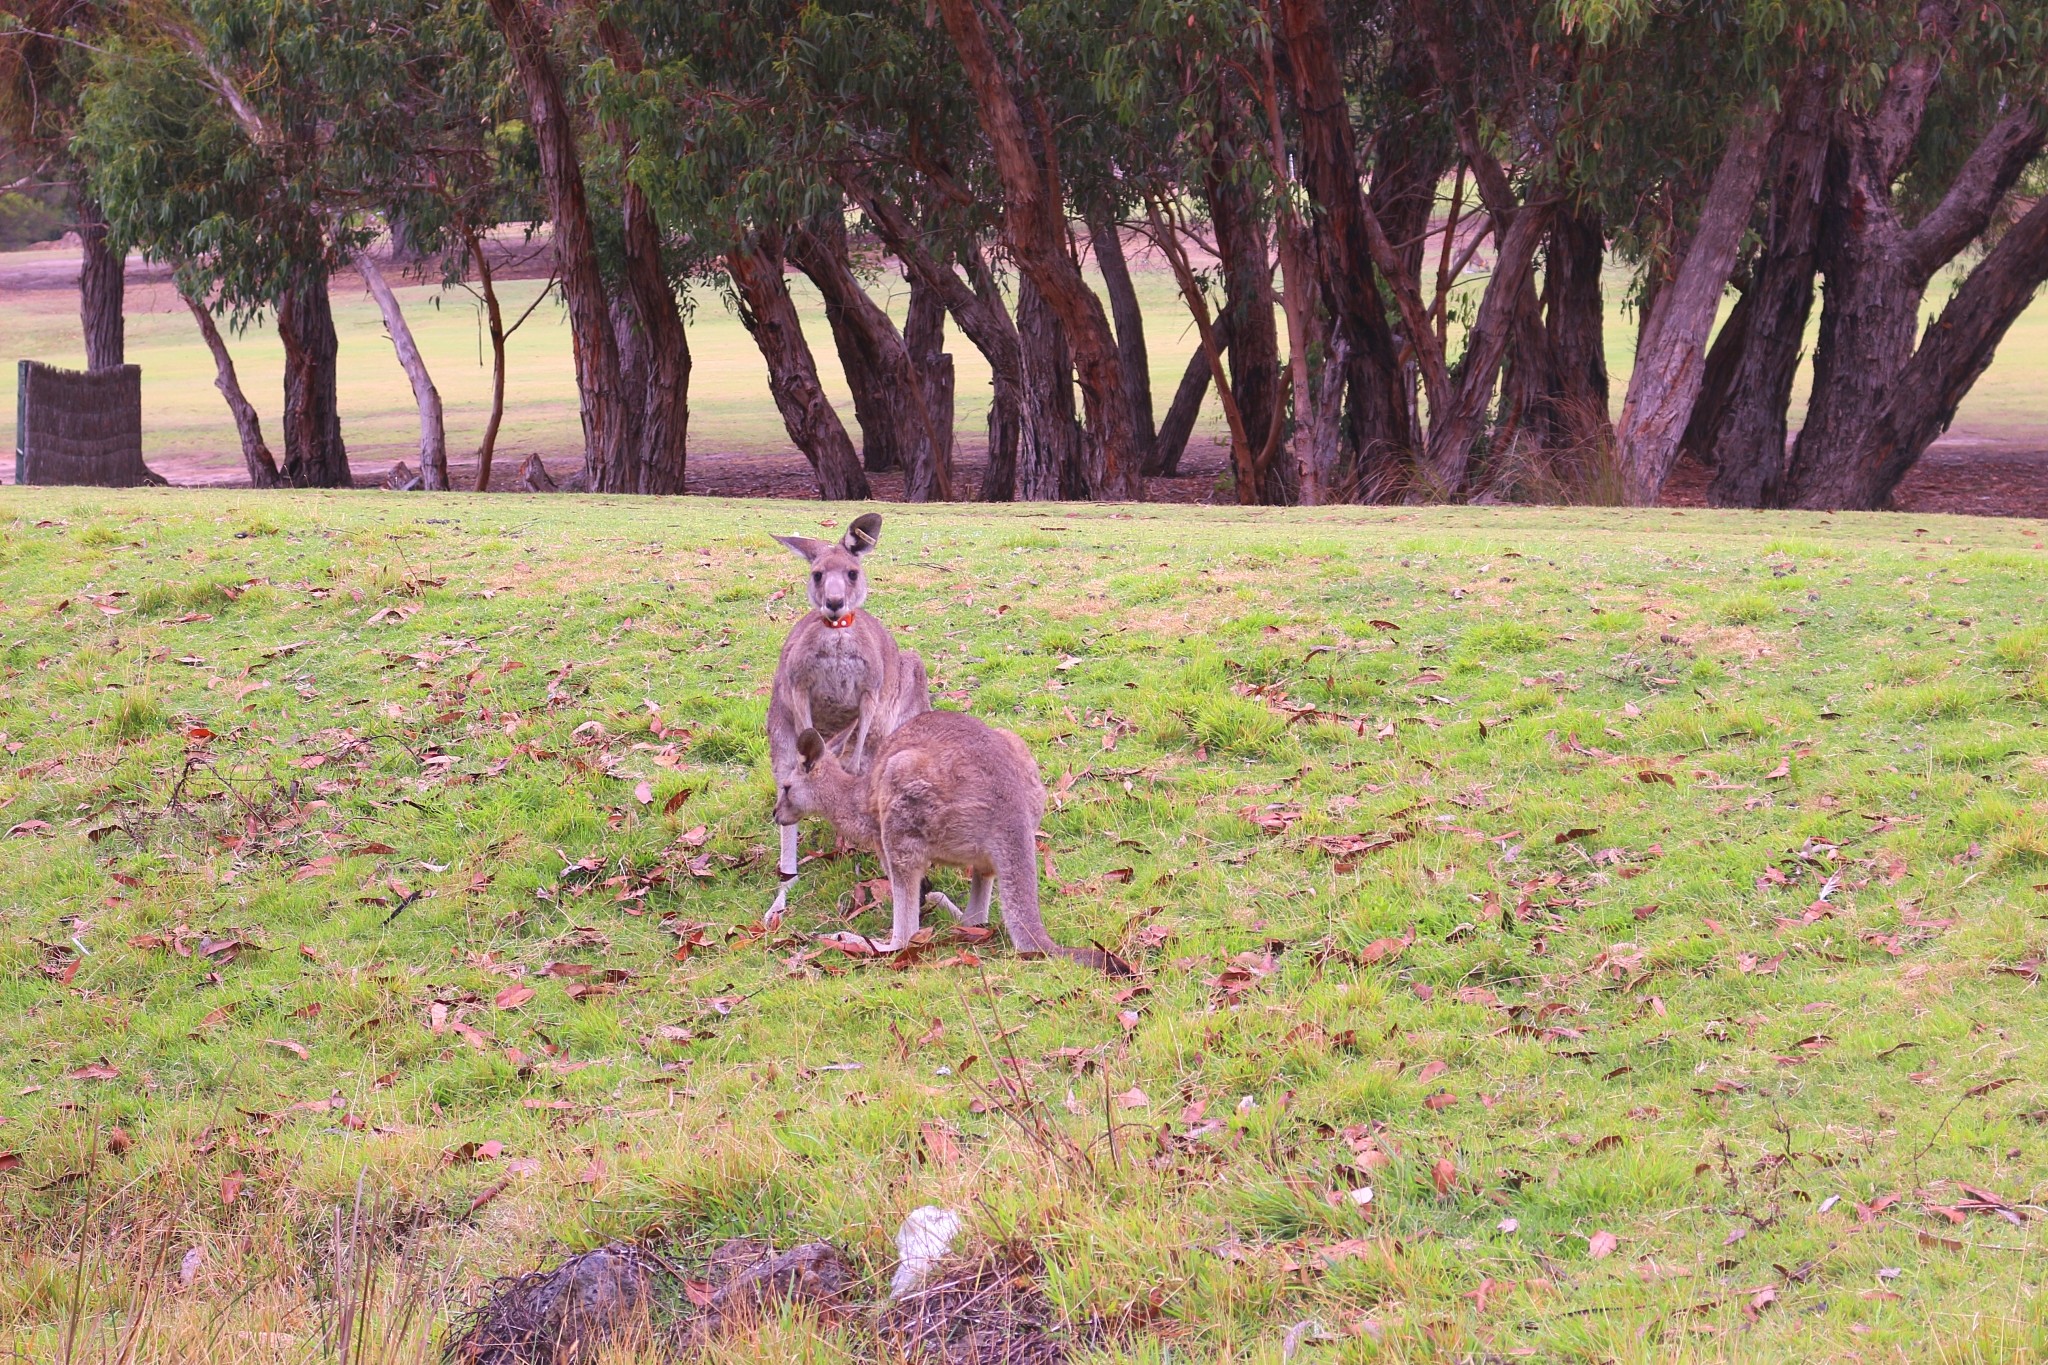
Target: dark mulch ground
<point>1980,478</point>
<point>988,1309</point>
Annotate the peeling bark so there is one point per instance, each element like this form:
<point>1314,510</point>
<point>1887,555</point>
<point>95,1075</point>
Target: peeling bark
<point>770,316</point>
<point>102,285</point>
<point>896,409</point>
<point>1034,223</point>
<point>433,428</point>
<point>1671,351</point>
<point>611,421</point>
<point>314,453</point>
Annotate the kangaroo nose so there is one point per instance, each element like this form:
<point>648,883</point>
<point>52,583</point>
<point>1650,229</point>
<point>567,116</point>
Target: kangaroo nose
<point>833,604</point>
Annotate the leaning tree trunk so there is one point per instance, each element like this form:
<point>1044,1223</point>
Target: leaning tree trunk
<point>433,428</point>
<point>924,336</point>
<point>1671,352</point>
<point>256,456</point>
<point>1035,224</point>
<point>611,421</point>
<point>314,455</point>
<point>807,414</point>
<point>495,318</point>
<point>101,285</point>
<point>820,251</point>
<point>1106,237</point>
<point>1186,407</point>
<point>1740,429</point>
<point>874,406</point>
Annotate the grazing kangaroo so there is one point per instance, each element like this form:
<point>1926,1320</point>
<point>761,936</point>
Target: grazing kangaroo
<point>840,672</point>
<point>944,788</point>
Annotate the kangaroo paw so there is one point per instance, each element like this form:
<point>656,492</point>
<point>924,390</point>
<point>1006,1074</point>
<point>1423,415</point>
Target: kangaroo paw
<point>773,919</point>
<point>945,903</point>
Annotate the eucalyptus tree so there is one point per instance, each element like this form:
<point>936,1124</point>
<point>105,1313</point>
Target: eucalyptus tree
<point>617,270</point>
<point>1925,162</point>
<point>240,219</point>
<point>446,159</point>
<point>46,53</point>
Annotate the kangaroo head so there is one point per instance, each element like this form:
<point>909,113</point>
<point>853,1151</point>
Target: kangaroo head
<point>797,794</point>
<point>837,586</point>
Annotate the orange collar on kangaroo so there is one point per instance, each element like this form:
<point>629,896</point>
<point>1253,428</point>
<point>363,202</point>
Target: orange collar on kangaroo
<point>839,622</point>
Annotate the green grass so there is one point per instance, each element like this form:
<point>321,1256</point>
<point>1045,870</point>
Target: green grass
<point>1725,902</point>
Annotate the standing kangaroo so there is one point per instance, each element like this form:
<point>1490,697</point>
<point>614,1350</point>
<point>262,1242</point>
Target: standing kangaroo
<point>840,672</point>
<point>943,788</point>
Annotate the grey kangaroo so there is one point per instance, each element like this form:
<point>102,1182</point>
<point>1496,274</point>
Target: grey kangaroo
<point>943,788</point>
<point>840,672</point>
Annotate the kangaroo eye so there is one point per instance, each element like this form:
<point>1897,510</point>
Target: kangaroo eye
<point>853,575</point>
<point>817,577</point>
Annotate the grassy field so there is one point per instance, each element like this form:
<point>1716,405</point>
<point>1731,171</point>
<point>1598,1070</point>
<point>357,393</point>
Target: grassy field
<point>187,426</point>
<point>1646,909</point>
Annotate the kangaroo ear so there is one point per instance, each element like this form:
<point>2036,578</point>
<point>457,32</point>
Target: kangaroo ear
<point>811,745</point>
<point>804,546</point>
<point>862,535</point>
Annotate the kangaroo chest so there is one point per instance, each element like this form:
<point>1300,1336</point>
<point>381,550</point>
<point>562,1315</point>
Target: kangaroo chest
<point>836,675</point>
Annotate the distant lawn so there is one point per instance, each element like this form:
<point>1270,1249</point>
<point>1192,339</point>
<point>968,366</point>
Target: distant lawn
<point>730,407</point>
<point>1646,908</point>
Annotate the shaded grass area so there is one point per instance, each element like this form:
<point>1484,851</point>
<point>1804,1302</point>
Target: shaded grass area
<point>1646,908</point>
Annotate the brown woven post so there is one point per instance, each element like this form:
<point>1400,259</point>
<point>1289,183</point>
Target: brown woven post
<point>80,427</point>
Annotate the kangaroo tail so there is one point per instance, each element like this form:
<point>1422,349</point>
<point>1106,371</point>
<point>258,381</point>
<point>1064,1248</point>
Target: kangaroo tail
<point>1017,884</point>
<point>1101,959</point>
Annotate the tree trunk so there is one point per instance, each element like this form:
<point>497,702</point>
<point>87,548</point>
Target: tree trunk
<point>433,429</point>
<point>1049,458</point>
<point>1554,392</point>
<point>1186,407</point>
<point>865,380</point>
<point>611,421</point>
<point>1455,430</point>
<point>1574,321</point>
<point>488,446</point>
<point>1740,427</point>
<point>314,455</point>
<point>101,285</point>
<point>660,463</point>
<point>1958,346</point>
<point>1106,237</point>
<point>924,336</point>
<point>1034,223</point>
<point>1671,352</point>
<point>1380,442</point>
<point>807,414</point>
<point>1878,270</point>
<point>262,465</point>
<point>654,347</point>
<point>899,406</point>
<point>1254,350</point>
